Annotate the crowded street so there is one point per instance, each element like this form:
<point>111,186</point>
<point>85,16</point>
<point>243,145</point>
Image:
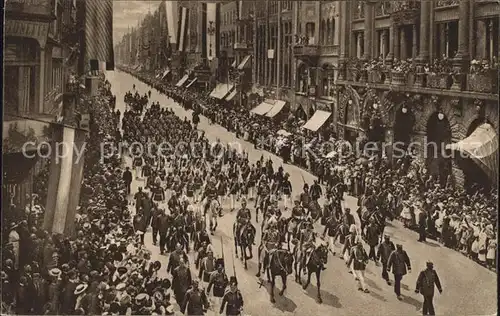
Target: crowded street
<point>467,287</point>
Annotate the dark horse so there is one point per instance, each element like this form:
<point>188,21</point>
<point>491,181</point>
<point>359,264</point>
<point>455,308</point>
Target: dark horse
<point>244,239</point>
<point>315,263</point>
<point>279,262</point>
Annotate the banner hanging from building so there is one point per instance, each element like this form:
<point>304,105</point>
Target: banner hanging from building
<point>171,12</point>
<point>210,34</point>
<point>182,30</point>
<point>99,32</point>
<point>66,173</point>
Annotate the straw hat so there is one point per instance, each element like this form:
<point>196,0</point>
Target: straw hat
<point>80,289</point>
<point>55,272</point>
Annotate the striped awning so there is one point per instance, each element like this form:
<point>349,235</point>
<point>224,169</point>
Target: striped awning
<point>244,63</point>
<point>317,120</point>
<point>232,95</point>
<point>182,81</point>
<point>191,83</point>
<point>482,147</point>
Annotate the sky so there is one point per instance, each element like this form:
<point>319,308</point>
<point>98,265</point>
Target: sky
<point>126,14</point>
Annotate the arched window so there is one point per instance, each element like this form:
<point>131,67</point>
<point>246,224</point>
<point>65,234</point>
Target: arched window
<point>324,32</point>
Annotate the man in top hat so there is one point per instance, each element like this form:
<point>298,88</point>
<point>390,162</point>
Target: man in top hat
<point>219,282</point>
<point>426,281</point>
<point>233,299</point>
<point>195,301</point>
<point>207,266</point>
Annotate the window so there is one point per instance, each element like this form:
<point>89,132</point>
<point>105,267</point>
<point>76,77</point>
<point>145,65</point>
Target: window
<point>486,40</point>
<point>447,39</point>
<point>332,22</point>
<point>382,43</point>
<point>324,32</point>
<point>359,44</point>
<point>310,32</point>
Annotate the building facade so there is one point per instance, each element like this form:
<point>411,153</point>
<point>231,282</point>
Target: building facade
<point>419,71</point>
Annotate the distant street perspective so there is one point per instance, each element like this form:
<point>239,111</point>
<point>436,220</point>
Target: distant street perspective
<point>250,158</point>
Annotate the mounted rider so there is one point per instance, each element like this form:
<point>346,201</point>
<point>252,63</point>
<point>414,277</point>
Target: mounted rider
<point>298,213</point>
<point>270,243</point>
<point>307,242</point>
<point>211,193</point>
<point>243,218</point>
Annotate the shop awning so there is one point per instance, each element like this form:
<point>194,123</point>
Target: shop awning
<point>233,64</point>
<point>232,95</point>
<point>221,91</point>
<point>277,107</point>
<point>182,81</point>
<point>191,83</point>
<point>262,108</point>
<point>482,147</point>
<point>165,73</point>
<point>244,62</point>
<point>317,120</point>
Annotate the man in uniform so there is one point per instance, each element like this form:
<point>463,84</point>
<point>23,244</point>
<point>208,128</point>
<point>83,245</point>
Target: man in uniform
<point>207,266</point>
<point>264,192</point>
<point>233,299</point>
<point>270,242</point>
<point>243,218</point>
<point>175,258</point>
<point>297,216</point>
<point>305,199</point>
<point>307,242</point>
<point>181,278</point>
<point>210,193</point>
<point>195,300</point>
<point>219,282</point>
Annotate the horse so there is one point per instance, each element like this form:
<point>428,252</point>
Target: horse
<point>279,262</point>
<point>316,260</point>
<point>213,214</point>
<point>244,239</point>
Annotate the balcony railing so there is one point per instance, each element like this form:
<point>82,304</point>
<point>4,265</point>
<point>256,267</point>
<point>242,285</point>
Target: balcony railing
<point>306,50</point>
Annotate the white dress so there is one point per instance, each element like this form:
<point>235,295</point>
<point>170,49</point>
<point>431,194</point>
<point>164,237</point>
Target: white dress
<point>482,246</point>
<point>492,247</point>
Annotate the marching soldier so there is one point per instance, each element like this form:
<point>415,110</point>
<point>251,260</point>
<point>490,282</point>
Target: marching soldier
<point>207,266</point>
<point>286,187</point>
<point>210,193</point>
<point>219,282</point>
<point>195,301</point>
<point>181,278</point>
<point>233,299</point>
<point>176,257</point>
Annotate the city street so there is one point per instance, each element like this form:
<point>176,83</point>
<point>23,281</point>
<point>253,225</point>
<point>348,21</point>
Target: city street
<point>468,289</point>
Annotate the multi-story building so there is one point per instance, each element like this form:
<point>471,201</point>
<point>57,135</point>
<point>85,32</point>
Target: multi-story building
<point>424,72</point>
<point>228,26</point>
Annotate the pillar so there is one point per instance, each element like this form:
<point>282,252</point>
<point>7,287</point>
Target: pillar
<point>402,43</point>
<point>425,37</point>
<point>480,52</point>
<point>392,36</point>
<point>358,45</point>
<point>463,32</point>
<point>414,43</point>
<point>396,42</point>
<point>336,33</point>
<point>41,85</point>
<point>343,31</point>
<point>368,31</point>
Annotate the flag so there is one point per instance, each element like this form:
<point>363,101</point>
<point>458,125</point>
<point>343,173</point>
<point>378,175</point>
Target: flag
<point>210,34</point>
<point>171,12</point>
<point>98,24</point>
<point>65,178</point>
<point>182,30</point>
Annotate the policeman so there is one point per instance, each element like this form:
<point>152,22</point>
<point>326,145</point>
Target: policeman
<point>219,282</point>
<point>207,266</point>
<point>195,300</point>
<point>233,299</point>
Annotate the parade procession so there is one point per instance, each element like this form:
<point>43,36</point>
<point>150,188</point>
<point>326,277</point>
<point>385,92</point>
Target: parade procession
<point>250,157</point>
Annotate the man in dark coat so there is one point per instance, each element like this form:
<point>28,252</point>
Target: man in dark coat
<point>426,281</point>
<point>422,223</point>
<point>372,239</point>
<point>155,223</point>
<point>400,264</point>
<point>384,251</point>
<point>181,280</point>
<point>127,177</point>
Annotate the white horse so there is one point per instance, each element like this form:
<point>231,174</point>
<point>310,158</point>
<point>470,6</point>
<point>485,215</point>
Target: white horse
<point>213,214</point>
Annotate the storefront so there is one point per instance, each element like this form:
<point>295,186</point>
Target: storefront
<point>25,66</point>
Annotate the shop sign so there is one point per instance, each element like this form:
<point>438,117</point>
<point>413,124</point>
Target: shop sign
<point>35,7</point>
<point>30,29</point>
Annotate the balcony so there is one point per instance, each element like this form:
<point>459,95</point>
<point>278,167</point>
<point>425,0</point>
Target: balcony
<point>306,50</point>
<point>30,8</point>
<point>405,12</point>
<point>243,46</point>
